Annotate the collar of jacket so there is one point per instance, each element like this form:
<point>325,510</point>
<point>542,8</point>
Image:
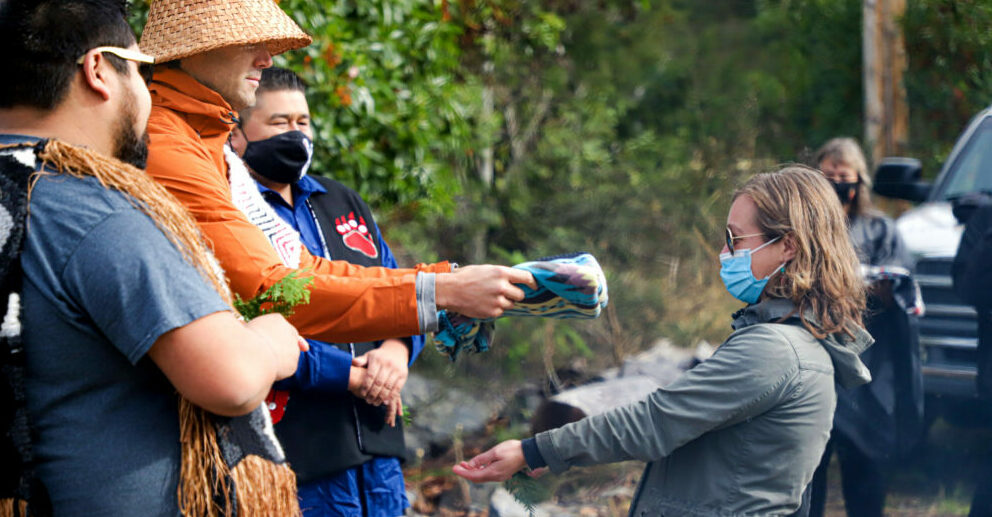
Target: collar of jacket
<point>773,310</point>
<point>204,109</point>
<point>844,350</point>
<point>780,310</point>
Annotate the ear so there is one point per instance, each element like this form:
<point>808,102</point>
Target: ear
<point>96,74</point>
<point>238,141</point>
<point>788,247</point>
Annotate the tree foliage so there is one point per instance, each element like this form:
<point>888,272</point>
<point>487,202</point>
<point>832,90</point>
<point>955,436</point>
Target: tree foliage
<point>392,120</point>
<point>950,72</point>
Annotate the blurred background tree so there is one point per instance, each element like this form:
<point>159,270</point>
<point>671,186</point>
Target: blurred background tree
<point>505,130</point>
<point>950,72</point>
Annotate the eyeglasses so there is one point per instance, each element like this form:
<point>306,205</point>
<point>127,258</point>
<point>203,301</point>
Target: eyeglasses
<point>146,63</point>
<point>731,238</point>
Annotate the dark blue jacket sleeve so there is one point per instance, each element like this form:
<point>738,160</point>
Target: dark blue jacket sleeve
<point>971,272</point>
<point>324,367</point>
<point>532,454</point>
<point>416,343</point>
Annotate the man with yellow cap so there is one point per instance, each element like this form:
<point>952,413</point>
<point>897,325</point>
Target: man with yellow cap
<point>211,54</point>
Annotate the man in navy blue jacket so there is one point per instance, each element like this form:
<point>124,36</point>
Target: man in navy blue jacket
<point>340,427</point>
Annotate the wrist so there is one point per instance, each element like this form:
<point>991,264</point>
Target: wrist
<point>398,348</point>
<point>355,378</point>
<point>442,290</point>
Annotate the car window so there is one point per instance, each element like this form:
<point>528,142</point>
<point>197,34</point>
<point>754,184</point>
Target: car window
<point>972,169</point>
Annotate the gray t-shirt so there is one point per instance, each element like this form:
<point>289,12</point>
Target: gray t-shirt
<point>102,283</point>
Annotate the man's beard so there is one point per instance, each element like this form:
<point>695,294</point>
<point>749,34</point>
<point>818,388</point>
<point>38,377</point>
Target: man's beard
<point>130,147</point>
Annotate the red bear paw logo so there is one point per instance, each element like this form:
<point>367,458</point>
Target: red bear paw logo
<point>355,234</point>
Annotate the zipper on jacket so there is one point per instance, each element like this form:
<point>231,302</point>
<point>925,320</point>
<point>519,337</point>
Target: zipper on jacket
<point>354,411</point>
<point>323,242</point>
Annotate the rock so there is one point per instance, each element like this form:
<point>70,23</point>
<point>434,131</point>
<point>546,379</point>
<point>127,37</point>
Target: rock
<point>598,397</point>
<point>438,410</point>
<point>640,375</point>
<point>664,362</point>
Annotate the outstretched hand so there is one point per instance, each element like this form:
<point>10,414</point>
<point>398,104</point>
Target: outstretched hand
<point>497,464</point>
<point>481,291</point>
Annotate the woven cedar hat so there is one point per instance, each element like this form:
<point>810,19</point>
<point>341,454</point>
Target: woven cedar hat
<point>182,28</point>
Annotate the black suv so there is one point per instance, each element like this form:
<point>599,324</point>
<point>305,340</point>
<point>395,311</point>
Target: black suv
<point>948,330</point>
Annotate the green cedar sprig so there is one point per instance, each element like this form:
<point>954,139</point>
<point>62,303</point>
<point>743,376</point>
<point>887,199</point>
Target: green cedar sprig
<point>407,417</point>
<point>528,491</point>
<point>285,294</point>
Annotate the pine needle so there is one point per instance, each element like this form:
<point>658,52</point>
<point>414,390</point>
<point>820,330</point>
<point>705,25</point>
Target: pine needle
<point>528,491</point>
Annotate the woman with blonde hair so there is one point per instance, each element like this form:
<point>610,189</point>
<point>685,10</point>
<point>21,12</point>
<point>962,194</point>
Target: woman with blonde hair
<point>877,423</point>
<point>742,432</point>
<point>843,163</point>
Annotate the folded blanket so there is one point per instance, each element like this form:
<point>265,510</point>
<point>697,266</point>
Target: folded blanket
<point>568,286</point>
<point>905,289</point>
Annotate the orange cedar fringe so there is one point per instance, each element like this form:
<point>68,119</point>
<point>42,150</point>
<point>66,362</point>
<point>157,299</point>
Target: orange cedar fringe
<point>203,471</point>
<point>265,488</point>
<point>7,508</point>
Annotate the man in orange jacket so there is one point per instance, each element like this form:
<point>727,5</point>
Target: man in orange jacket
<point>212,54</point>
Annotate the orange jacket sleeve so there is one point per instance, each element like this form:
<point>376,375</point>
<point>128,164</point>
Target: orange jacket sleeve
<point>347,302</point>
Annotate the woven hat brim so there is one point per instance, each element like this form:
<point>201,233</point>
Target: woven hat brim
<point>182,28</point>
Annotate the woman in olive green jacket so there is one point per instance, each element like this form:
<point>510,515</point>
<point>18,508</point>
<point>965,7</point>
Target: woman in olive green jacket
<point>741,433</point>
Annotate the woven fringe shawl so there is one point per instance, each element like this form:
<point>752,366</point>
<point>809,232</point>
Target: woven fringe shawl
<point>261,487</point>
<point>245,195</point>
<point>283,238</point>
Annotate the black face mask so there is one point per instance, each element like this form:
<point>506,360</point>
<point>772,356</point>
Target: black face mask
<point>844,192</point>
<point>283,158</point>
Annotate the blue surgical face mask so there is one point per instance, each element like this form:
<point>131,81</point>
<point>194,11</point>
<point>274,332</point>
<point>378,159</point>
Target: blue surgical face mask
<point>735,271</point>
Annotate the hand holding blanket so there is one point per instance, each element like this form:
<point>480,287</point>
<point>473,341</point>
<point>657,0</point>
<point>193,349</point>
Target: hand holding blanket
<point>568,286</point>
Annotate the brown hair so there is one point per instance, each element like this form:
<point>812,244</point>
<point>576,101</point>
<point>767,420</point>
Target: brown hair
<point>797,203</point>
<point>846,150</point>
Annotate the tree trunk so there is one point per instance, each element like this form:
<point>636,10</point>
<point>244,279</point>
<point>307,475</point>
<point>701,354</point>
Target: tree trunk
<point>479,244</point>
<point>884,56</point>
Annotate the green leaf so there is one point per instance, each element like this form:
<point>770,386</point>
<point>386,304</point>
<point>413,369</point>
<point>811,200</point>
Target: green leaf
<point>290,291</point>
<point>528,491</point>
